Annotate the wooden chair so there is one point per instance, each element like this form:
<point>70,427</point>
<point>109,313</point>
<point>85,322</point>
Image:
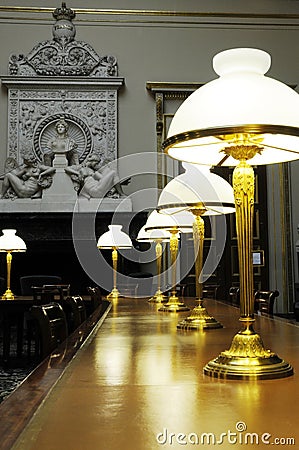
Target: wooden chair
<point>210,291</point>
<point>50,293</point>
<point>264,302</point>
<point>95,299</point>
<point>179,288</point>
<point>234,295</point>
<point>50,328</point>
<point>26,282</point>
<point>63,290</point>
<point>75,311</point>
<point>42,296</point>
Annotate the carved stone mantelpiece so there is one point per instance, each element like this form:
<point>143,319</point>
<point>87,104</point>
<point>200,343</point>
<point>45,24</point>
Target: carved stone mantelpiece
<point>62,78</point>
<point>68,205</point>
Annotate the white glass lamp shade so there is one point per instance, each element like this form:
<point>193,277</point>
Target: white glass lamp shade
<point>182,221</point>
<point>114,238</point>
<point>242,106</point>
<point>152,235</point>
<point>197,186</point>
<point>9,242</point>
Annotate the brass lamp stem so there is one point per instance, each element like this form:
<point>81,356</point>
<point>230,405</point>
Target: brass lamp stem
<point>8,295</point>
<point>243,186</point>
<point>173,303</point>
<point>114,293</point>
<point>247,357</point>
<point>158,297</point>
<point>159,261</point>
<point>114,261</point>
<point>199,318</point>
<point>8,261</point>
<point>198,240</point>
<point>174,246</point>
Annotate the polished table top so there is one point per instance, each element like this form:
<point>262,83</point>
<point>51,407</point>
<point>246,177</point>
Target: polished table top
<point>138,383</point>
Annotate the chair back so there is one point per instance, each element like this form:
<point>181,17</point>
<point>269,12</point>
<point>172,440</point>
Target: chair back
<point>75,311</point>
<point>264,301</point>
<point>51,327</point>
<point>234,294</point>
<point>95,298</point>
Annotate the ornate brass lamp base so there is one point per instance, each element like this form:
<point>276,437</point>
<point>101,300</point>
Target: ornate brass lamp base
<point>158,297</point>
<point>174,305</point>
<point>114,294</point>
<point>8,295</point>
<point>247,359</point>
<point>199,319</point>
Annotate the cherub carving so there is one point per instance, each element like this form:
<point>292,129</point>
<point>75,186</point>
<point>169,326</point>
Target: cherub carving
<point>95,180</point>
<point>27,180</point>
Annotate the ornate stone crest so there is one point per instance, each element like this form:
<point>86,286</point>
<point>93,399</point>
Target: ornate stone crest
<point>63,55</point>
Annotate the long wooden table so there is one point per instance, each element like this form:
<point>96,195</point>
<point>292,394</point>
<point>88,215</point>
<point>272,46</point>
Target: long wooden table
<point>138,384</point>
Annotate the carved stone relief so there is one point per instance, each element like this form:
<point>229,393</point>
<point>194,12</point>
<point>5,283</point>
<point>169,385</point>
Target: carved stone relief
<point>92,120</point>
<point>62,78</point>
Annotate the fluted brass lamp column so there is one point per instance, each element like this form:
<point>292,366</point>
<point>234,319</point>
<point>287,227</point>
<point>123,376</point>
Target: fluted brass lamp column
<point>158,237</point>
<point>203,194</point>
<point>114,239</point>
<point>242,118</point>
<point>10,243</point>
<point>174,225</point>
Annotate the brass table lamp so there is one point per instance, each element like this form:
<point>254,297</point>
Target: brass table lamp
<point>114,239</point>
<point>240,117</point>
<point>10,243</point>
<point>203,194</point>
<point>158,237</point>
<point>181,223</point>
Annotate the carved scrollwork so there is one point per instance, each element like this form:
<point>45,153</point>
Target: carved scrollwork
<point>63,55</point>
<point>49,58</point>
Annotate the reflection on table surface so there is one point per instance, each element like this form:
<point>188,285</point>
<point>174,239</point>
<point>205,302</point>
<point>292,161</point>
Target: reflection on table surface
<point>138,383</point>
